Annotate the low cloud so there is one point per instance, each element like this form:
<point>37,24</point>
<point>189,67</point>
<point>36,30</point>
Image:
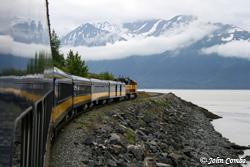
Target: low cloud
<point>67,14</point>
<point>239,49</point>
<point>9,46</point>
<point>146,46</point>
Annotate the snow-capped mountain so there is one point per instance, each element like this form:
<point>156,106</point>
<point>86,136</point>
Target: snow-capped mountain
<point>28,31</point>
<point>223,34</point>
<point>157,27</point>
<point>107,26</point>
<point>101,33</point>
<point>93,34</point>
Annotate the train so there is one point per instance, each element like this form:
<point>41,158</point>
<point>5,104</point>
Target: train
<point>36,98</point>
<point>51,99</point>
<point>73,94</point>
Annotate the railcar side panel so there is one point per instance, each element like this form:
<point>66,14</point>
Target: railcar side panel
<point>82,93</point>
<point>112,89</point>
<point>100,90</point>
<point>123,93</point>
<point>63,99</point>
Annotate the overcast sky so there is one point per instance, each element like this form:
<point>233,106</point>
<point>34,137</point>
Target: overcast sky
<point>68,14</point>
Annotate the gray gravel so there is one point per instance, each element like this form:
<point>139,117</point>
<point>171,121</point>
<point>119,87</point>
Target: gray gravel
<point>162,131</point>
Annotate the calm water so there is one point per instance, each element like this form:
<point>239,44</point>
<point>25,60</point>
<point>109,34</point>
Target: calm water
<point>232,105</point>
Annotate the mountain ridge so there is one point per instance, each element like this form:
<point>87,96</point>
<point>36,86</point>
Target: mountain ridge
<point>188,70</point>
<point>93,34</point>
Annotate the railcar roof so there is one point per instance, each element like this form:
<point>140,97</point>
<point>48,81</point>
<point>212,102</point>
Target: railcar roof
<point>98,81</point>
<point>57,73</point>
<point>77,78</point>
<point>65,80</point>
<point>115,82</point>
<point>34,76</point>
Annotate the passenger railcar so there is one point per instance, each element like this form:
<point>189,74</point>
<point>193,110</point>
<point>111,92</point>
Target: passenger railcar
<point>82,91</point>
<point>100,90</point>
<point>63,102</point>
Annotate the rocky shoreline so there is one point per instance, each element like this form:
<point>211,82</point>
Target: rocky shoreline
<point>161,130</point>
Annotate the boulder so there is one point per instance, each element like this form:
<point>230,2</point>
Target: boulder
<point>176,157</point>
<point>89,141</point>
<point>147,119</point>
<point>163,165</point>
<point>149,162</point>
<point>116,149</point>
<point>137,151</point>
<point>114,139</point>
<point>119,130</point>
<point>111,163</point>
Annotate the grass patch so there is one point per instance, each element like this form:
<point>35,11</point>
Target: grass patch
<point>90,121</point>
<point>130,135</point>
<point>160,102</point>
<point>149,112</point>
<point>141,122</point>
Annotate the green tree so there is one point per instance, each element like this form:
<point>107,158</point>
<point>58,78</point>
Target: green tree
<point>75,65</point>
<point>103,76</point>
<point>58,58</point>
<point>39,63</point>
<point>107,76</point>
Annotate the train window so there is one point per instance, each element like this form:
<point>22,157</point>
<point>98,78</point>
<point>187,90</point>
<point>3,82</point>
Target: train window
<point>112,88</point>
<point>84,89</point>
<point>65,91</point>
<point>100,88</point>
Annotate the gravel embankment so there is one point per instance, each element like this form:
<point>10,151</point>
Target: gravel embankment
<point>162,131</point>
